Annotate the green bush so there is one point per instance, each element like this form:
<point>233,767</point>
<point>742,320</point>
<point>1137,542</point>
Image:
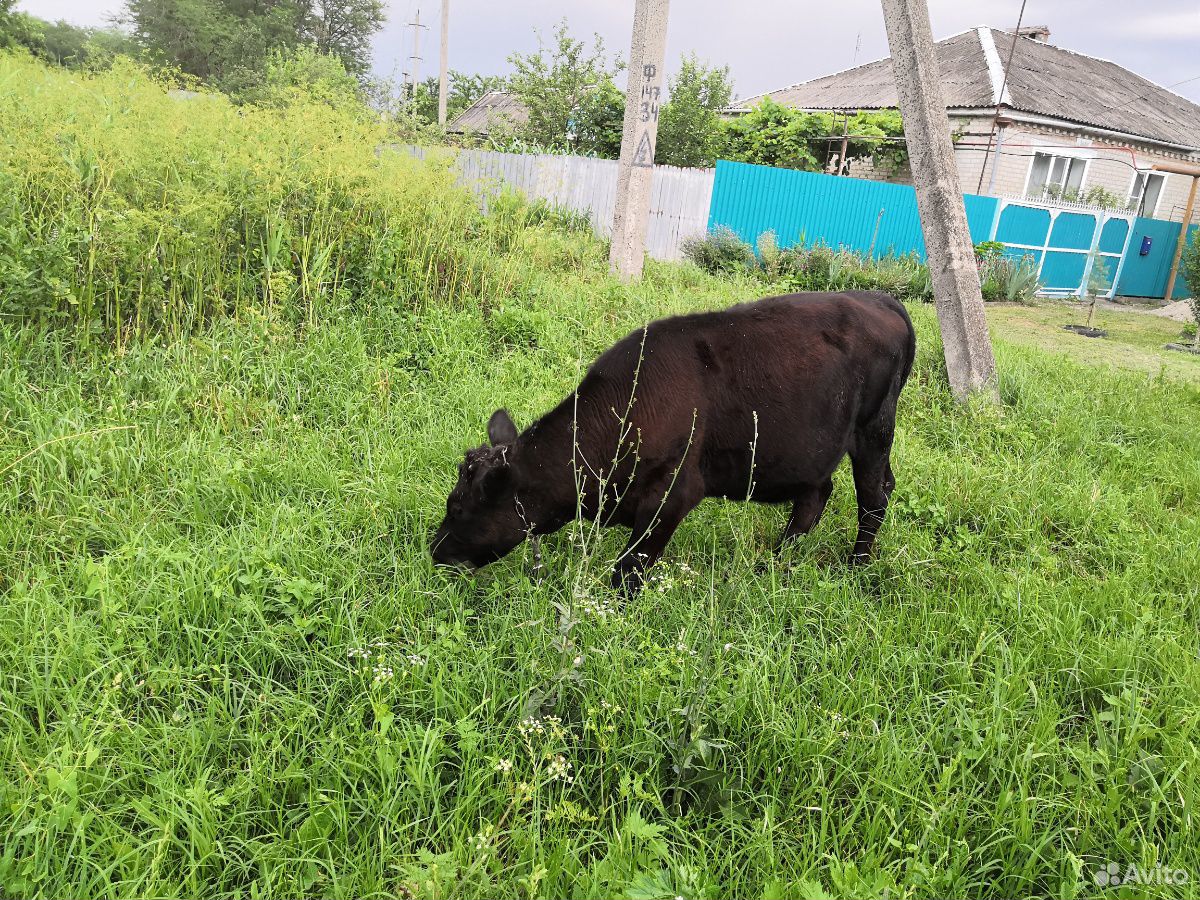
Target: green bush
<point>1189,264</point>
<point>720,252</point>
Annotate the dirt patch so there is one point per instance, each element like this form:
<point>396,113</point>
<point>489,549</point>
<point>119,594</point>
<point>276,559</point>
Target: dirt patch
<point>1180,311</point>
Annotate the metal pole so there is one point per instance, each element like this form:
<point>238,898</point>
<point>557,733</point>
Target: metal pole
<point>442,88</point>
<point>1182,242</point>
<point>636,166</point>
<point>970,365</point>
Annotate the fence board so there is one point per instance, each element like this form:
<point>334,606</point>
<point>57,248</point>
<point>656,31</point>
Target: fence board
<point>679,202</point>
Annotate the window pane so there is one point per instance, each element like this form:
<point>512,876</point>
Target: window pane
<point>1037,175</point>
<point>1056,171</point>
<point>1075,173</point>
<point>1154,186</point>
<point>1135,192</point>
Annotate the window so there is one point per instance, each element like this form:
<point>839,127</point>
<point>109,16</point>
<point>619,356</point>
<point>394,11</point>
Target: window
<point>1147,188</point>
<point>1057,177</point>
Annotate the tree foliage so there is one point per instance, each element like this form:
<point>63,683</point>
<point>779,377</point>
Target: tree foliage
<point>60,42</point>
<point>228,42</point>
<point>689,126</point>
<point>775,135</point>
<point>568,88</point>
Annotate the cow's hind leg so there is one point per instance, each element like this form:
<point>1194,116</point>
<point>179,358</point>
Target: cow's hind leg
<point>873,482</point>
<point>806,511</point>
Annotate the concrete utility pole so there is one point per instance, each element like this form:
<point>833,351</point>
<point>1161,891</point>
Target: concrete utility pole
<point>416,54</point>
<point>951,256</point>
<point>444,62</point>
<point>636,167</point>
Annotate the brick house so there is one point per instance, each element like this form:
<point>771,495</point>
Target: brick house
<point>1059,124</point>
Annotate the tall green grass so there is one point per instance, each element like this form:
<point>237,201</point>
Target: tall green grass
<point>228,668</point>
<point>128,208</point>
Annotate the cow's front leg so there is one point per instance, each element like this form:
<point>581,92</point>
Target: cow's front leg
<point>653,524</point>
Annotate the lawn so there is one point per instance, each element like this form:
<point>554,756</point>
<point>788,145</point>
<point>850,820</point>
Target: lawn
<point>1135,339</point>
<point>229,669</point>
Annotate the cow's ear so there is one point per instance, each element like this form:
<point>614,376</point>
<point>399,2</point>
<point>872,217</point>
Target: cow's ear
<point>501,429</point>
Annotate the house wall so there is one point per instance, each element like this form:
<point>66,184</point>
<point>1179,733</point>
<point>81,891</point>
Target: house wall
<point>1110,166</point>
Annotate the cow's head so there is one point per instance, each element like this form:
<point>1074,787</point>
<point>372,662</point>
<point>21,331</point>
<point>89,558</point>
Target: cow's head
<point>484,518</point>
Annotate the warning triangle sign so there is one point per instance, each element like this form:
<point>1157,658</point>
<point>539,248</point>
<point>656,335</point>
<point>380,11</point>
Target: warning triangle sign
<point>644,154</point>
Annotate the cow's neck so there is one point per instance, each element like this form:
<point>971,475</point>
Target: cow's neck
<point>547,475</point>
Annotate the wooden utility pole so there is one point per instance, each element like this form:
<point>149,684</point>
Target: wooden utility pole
<point>1194,173</point>
<point>951,256</point>
<point>635,169</point>
<point>445,58</point>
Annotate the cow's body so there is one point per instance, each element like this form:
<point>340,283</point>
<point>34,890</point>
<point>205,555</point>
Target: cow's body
<point>760,401</point>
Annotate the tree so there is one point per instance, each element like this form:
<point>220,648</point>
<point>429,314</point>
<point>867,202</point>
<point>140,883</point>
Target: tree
<point>689,126</point>
<point>342,28</point>
<point>18,29</point>
<point>228,42</point>
<point>1189,268</point>
<point>569,91</point>
<point>776,135</point>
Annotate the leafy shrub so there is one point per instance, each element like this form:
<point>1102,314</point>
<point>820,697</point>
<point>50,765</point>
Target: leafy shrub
<point>985,251</point>
<point>1004,278</point>
<point>816,268</point>
<point>720,252</point>
<point>772,134</point>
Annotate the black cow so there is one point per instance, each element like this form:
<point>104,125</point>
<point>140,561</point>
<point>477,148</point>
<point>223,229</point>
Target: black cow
<point>757,402</point>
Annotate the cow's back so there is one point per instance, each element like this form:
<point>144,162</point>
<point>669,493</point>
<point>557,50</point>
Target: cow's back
<point>775,387</point>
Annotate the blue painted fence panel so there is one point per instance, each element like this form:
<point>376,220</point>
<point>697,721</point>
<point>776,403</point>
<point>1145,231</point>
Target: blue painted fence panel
<point>1112,237</point>
<point>1073,231</point>
<point>1146,276</point>
<point>836,211</point>
<point>1023,225</point>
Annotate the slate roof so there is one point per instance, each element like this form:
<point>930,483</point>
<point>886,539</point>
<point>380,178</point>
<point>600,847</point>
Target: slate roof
<point>1043,80</point>
<point>491,107</point>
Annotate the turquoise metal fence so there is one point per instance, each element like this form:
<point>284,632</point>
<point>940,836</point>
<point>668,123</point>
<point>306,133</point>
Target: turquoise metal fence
<point>1066,242</point>
<point>850,213</point>
<point>1146,276</point>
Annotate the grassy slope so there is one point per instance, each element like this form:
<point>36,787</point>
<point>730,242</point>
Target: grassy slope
<point>1006,697</point>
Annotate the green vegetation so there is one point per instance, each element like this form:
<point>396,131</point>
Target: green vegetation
<point>819,268</point>
<point>689,127</point>
<point>573,101</point>
<point>775,135</point>
<point>1189,270</point>
<point>240,356</point>
<point>227,42</point>
<point>1005,277</point>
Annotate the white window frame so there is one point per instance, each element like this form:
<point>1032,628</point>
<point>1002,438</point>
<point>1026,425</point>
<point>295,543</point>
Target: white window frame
<point>1067,152</point>
<point>1162,189</point>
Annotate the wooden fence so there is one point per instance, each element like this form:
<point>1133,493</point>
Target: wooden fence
<point>679,200</point>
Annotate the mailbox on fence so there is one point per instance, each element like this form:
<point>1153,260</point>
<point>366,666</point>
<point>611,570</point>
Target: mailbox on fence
<point>1146,242</point>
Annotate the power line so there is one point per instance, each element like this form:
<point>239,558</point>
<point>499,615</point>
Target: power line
<point>1000,96</point>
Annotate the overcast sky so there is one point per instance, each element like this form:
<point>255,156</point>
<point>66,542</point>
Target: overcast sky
<point>770,43</point>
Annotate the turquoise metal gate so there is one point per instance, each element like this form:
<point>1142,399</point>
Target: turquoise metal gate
<point>1070,246</point>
